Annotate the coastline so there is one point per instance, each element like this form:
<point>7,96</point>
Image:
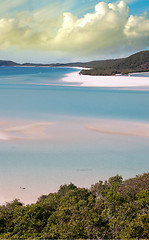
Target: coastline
<point>105,81</point>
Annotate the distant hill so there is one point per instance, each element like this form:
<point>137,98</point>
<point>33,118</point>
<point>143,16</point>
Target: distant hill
<point>138,62</point>
<point>8,63</point>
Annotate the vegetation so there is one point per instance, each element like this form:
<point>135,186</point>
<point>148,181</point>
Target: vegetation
<point>114,209</point>
<point>138,62</point>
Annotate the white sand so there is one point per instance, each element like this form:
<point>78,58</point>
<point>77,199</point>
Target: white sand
<point>28,131</point>
<point>106,81</point>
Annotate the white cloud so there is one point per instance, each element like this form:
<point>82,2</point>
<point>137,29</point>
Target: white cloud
<point>137,26</point>
<point>108,29</point>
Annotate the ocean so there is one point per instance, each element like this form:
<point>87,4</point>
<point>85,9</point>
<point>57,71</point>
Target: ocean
<point>40,157</point>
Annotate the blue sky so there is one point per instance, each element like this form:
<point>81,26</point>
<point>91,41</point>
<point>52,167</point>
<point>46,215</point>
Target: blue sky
<point>72,30</point>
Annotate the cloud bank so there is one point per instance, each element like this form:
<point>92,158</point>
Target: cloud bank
<point>109,28</point>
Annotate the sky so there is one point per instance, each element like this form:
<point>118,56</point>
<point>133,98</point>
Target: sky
<point>51,31</point>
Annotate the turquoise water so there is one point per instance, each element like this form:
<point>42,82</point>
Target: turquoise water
<point>73,154</point>
<point>22,95</point>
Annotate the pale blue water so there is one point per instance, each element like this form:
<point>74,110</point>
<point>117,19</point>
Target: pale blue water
<point>145,74</point>
<point>87,157</point>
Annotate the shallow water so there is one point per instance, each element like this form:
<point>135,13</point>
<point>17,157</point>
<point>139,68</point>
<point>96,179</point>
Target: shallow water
<point>25,96</point>
<point>72,153</point>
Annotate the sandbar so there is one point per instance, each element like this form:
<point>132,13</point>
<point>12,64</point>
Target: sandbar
<point>70,130</point>
<point>117,127</point>
<point>17,130</point>
<point>105,81</point>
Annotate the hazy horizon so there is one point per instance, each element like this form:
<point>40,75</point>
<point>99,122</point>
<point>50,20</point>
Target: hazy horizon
<point>37,62</point>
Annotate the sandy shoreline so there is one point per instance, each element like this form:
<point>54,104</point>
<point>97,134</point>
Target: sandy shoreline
<point>105,81</point>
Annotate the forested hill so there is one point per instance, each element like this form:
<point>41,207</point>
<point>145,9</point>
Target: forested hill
<point>138,62</point>
<point>114,209</point>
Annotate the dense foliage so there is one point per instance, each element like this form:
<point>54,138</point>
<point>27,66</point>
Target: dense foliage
<point>114,209</point>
